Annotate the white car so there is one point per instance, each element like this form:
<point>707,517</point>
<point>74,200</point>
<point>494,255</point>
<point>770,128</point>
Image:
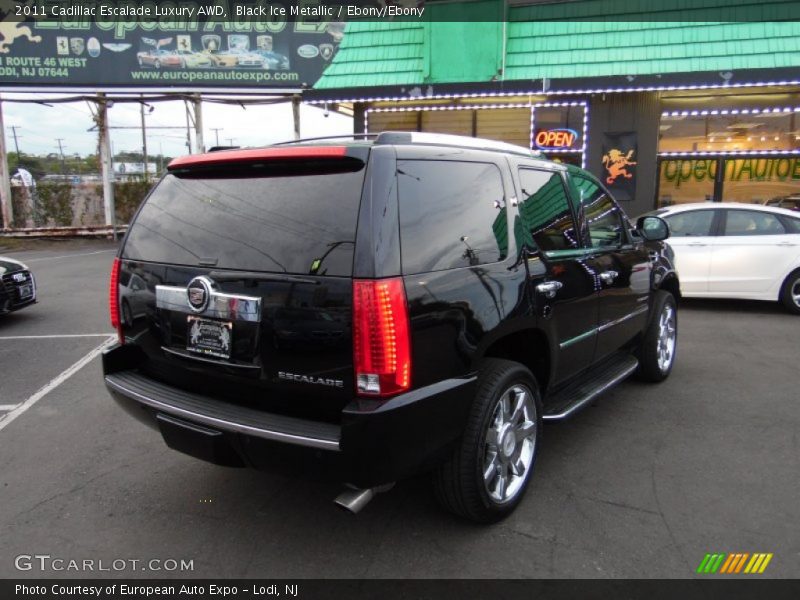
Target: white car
<point>731,250</point>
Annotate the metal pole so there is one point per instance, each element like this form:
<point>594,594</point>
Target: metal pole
<point>188,135</point>
<point>199,145</point>
<point>61,152</point>
<point>296,115</point>
<point>105,163</point>
<point>5,179</point>
<point>216,131</point>
<point>144,144</point>
<point>13,129</point>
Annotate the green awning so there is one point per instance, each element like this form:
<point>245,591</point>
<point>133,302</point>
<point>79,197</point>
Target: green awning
<point>585,38</point>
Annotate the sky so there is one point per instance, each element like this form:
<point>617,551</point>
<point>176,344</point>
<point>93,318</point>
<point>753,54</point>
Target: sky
<point>39,127</point>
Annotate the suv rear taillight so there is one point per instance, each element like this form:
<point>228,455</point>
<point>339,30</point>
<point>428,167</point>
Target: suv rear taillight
<point>113,299</point>
<point>381,340</point>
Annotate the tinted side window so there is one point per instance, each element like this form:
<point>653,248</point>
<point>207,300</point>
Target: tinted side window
<point>604,219</point>
<point>751,222</point>
<point>693,223</point>
<point>545,211</point>
<point>452,214</point>
<point>792,224</point>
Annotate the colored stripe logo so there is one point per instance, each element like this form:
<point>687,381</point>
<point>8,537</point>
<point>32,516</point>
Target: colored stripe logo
<point>734,563</point>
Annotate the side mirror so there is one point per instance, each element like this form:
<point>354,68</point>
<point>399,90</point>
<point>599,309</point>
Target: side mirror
<point>652,229</point>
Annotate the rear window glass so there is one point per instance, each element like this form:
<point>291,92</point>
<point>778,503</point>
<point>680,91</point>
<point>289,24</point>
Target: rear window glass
<point>452,214</point>
<point>299,224</point>
<point>792,224</point>
<point>751,222</point>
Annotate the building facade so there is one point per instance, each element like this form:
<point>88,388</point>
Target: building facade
<point>663,104</point>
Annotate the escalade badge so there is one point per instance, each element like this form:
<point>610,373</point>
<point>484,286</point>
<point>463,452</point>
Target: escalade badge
<point>338,383</point>
<point>198,293</point>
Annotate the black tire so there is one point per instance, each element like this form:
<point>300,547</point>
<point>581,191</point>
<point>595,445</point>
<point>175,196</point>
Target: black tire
<point>459,483</point>
<point>157,64</point>
<point>652,364</point>
<point>790,292</point>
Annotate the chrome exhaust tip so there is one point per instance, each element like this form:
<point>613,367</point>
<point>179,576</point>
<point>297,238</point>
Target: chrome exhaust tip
<point>354,499</point>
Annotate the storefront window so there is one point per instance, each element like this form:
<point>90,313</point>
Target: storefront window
<point>754,180</point>
<point>454,122</point>
<point>753,147</point>
<point>686,180</point>
<point>760,180</point>
<point>746,130</point>
<point>502,123</point>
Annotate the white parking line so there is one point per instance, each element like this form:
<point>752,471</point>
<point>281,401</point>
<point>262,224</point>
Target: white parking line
<point>30,260</point>
<point>54,383</point>
<point>54,336</point>
<point>5,407</point>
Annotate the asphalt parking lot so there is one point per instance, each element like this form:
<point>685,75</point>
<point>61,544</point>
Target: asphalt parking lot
<point>641,485</point>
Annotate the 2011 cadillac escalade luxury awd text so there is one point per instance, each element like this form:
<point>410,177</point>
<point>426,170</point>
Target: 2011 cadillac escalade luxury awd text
<point>374,309</point>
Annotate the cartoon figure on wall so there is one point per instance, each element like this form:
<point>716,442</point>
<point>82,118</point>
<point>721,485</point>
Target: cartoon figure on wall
<point>616,165</point>
<point>619,166</point>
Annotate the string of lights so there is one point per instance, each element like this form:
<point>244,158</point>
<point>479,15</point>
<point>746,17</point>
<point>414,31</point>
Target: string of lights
<point>569,92</point>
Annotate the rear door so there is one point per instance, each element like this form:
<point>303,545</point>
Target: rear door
<point>620,265</point>
<point>692,238</point>
<point>247,273</point>
<point>561,283</point>
<point>754,251</point>
<point>458,267</point>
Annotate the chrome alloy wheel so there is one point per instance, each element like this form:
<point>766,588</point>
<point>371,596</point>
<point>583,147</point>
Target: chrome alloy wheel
<point>510,444</point>
<point>667,332</point>
<point>795,292</point>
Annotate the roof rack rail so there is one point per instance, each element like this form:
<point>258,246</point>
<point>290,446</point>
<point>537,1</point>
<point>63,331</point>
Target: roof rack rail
<point>345,136</point>
<point>219,148</point>
<point>444,139</point>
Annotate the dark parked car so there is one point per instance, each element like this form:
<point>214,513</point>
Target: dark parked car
<point>17,285</point>
<point>371,310</point>
<point>789,202</point>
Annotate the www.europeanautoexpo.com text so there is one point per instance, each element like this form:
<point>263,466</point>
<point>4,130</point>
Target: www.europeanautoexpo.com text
<point>115,590</point>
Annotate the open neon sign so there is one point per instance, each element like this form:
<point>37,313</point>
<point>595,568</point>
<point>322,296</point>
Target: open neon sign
<point>556,139</point>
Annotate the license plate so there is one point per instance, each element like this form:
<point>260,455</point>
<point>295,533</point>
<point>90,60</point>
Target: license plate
<point>25,291</point>
<point>213,338</point>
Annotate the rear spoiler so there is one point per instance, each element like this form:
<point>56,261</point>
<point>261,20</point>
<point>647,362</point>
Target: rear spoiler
<point>255,155</point>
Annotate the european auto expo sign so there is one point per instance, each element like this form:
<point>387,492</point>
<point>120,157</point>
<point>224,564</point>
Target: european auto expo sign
<point>748,169</point>
<point>206,44</point>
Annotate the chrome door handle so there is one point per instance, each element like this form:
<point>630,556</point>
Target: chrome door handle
<point>786,244</point>
<point>697,245</point>
<point>549,288</point>
<point>608,276</point>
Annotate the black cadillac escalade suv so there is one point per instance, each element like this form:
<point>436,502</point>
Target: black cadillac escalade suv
<point>373,309</point>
